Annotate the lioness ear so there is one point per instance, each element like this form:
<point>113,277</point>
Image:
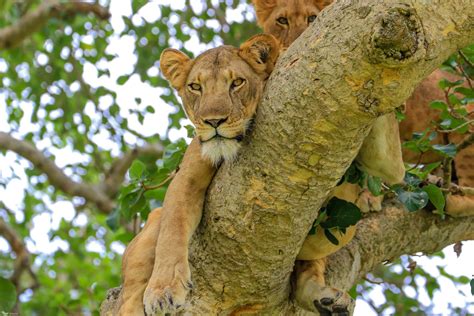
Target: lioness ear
<point>175,66</point>
<point>263,9</point>
<point>321,4</point>
<point>261,52</point>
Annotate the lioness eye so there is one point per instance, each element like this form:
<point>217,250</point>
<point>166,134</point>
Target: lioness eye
<point>311,18</point>
<point>237,83</point>
<point>195,86</point>
<point>282,20</point>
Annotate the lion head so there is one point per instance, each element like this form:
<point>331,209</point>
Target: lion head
<point>220,90</point>
<point>287,19</point>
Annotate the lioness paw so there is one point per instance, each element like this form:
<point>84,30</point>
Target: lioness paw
<point>367,202</point>
<point>316,297</point>
<point>167,289</point>
<point>330,301</point>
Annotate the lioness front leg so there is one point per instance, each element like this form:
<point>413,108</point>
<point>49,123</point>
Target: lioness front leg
<point>137,265</point>
<point>182,208</point>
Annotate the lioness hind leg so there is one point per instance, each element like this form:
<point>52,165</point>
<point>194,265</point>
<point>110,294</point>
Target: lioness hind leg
<point>459,205</point>
<point>137,266</point>
<point>312,293</point>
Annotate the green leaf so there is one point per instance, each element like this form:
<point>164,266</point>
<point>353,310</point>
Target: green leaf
<point>122,79</point>
<point>113,219</point>
<point>466,91</point>
<point>150,109</point>
<point>341,214</point>
<point>7,295</point>
<point>173,154</point>
<point>353,174</point>
<point>399,115</point>
<point>472,286</point>
<point>331,237</point>
<point>156,194</point>
<point>128,201</point>
<point>413,201</point>
<point>139,204</point>
<point>446,150</point>
<point>436,197</point>
<point>375,185</point>
<point>190,130</point>
<point>439,105</point>
<point>412,180</point>
<point>423,171</point>
<point>445,83</point>
<point>136,170</point>
<point>353,292</point>
<point>137,4</point>
<point>321,218</point>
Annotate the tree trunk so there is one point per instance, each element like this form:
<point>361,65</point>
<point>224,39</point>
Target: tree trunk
<point>359,60</point>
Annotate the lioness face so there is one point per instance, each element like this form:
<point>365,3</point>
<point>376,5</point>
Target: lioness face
<point>287,19</point>
<point>220,90</point>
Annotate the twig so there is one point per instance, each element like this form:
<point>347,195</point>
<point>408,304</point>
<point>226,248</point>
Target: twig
<point>466,76</point>
<point>22,260</point>
<point>470,63</point>
<point>162,183</point>
<point>372,281</point>
<point>453,188</point>
<point>31,22</point>
<point>466,142</point>
<point>116,174</point>
<point>455,129</point>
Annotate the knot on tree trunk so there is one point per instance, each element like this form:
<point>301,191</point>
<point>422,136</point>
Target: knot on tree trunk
<point>398,38</point>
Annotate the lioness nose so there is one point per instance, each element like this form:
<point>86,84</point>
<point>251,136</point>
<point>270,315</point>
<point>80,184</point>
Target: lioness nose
<point>216,122</point>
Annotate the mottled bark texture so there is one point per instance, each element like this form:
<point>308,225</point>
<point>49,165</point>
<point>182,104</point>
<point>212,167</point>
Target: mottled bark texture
<point>359,60</point>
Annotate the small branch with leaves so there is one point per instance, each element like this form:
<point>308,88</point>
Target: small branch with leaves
<point>11,36</point>
<point>22,259</point>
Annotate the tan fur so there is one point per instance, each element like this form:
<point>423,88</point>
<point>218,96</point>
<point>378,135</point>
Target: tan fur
<point>296,12</point>
<point>419,117</point>
<point>156,275</point>
<point>383,143</point>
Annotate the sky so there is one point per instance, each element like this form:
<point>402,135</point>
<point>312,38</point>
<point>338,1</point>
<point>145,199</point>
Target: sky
<point>157,123</point>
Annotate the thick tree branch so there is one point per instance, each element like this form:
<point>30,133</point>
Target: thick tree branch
<point>359,60</point>
<point>56,176</point>
<point>387,235</point>
<point>31,22</point>
<point>101,195</point>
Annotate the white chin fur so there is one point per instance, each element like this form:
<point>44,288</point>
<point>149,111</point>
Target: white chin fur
<point>220,149</point>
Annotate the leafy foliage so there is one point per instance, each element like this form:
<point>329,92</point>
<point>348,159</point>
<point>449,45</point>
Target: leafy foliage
<point>7,295</point>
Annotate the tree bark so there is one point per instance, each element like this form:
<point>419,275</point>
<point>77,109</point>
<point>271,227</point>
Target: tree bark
<point>359,60</point>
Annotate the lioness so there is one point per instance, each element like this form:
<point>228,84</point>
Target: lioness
<point>287,19</point>
<point>220,90</point>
